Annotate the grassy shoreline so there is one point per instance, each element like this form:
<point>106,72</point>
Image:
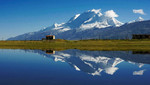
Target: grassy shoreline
<point>59,44</point>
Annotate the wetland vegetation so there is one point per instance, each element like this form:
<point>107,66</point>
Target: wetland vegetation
<point>60,44</point>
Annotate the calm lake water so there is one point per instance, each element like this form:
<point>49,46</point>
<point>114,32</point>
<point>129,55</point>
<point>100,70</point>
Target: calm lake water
<point>74,67</point>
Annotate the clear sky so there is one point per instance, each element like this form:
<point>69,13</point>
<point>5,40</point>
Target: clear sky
<point>21,16</point>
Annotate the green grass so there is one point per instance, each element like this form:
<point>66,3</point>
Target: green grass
<point>59,44</point>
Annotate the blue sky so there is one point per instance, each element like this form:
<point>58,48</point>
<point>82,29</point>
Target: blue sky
<point>21,16</point>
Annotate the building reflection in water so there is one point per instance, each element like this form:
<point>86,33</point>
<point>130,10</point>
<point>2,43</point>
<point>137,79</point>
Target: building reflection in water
<point>48,51</point>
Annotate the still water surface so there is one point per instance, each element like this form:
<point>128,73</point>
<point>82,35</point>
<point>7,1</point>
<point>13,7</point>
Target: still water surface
<point>74,67</point>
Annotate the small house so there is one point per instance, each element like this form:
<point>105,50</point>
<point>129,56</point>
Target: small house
<point>50,37</point>
<point>141,36</point>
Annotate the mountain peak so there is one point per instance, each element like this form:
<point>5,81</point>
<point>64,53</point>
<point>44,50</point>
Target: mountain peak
<point>56,24</point>
<point>98,20</point>
<point>139,19</point>
<point>93,18</point>
<point>95,10</point>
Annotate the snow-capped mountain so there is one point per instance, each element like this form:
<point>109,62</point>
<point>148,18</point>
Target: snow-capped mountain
<point>80,22</point>
<point>139,19</point>
<point>92,18</point>
<point>87,20</point>
<point>92,24</point>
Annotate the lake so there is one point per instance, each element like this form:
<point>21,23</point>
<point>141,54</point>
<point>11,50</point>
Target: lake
<point>74,67</point>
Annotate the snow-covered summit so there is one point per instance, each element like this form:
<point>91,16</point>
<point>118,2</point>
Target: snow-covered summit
<point>139,19</point>
<point>95,10</point>
<point>93,18</point>
<point>99,20</point>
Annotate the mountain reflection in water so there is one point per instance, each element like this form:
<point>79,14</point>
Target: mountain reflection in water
<point>95,62</point>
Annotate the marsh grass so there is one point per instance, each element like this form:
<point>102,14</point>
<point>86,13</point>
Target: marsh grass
<point>60,44</point>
